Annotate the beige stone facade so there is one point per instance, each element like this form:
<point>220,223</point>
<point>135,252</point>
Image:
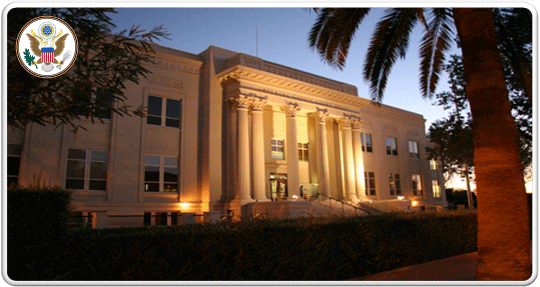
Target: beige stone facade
<point>234,130</point>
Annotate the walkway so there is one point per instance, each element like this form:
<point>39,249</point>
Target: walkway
<point>457,268</point>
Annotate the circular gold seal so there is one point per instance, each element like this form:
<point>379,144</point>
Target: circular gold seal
<point>47,47</point>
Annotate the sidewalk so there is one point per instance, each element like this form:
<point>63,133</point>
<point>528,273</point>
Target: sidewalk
<point>457,268</point>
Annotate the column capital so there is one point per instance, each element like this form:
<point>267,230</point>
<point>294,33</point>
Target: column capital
<point>241,101</point>
<point>356,123</point>
<point>344,122</point>
<point>290,109</point>
<point>320,116</point>
<point>257,104</point>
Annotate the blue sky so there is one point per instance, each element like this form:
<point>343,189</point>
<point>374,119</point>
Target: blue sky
<point>282,38</point>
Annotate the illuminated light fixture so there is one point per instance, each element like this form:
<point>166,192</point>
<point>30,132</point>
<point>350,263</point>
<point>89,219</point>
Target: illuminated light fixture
<point>414,203</point>
<point>401,197</point>
<point>184,205</point>
<point>295,197</point>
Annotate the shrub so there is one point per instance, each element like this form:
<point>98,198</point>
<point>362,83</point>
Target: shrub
<point>37,232</point>
<point>302,249</point>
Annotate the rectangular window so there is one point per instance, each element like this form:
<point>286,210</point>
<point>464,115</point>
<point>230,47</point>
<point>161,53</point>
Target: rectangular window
<point>13,163</point>
<point>161,218</point>
<point>161,174</point>
<point>391,146</point>
<point>367,146</point>
<point>433,164</point>
<point>395,184</point>
<point>436,188</point>
<point>417,185</point>
<point>303,151</point>
<point>413,149</point>
<point>101,101</point>
<point>86,170</point>
<point>369,178</point>
<point>172,115</point>
<point>277,149</point>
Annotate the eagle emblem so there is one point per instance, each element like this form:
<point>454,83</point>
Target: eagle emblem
<point>47,45</point>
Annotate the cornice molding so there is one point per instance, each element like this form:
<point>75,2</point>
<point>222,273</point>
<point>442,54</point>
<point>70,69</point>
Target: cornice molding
<point>244,73</point>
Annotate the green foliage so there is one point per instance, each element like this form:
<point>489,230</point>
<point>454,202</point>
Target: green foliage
<point>300,249</point>
<point>37,232</point>
<point>452,136</point>
<point>105,61</point>
<point>28,58</point>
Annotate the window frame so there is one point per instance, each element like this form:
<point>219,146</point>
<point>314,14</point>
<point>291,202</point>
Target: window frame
<point>394,181</point>
<point>369,177</point>
<point>433,164</point>
<point>367,144</point>
<point>417,185</point>
<point>15,152</point>
<point>436,188</point>
<point>303,153</point>
<point>414,151</point>
<point>391,146</point>
<point>277,154</point>
<point>87,178</point>
<point>163,115</point>
<point>161,168</point>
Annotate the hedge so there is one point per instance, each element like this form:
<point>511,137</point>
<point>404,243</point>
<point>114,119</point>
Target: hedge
<point>301,249</point>
<point>37,231</point>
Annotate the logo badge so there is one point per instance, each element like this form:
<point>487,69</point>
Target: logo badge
<point>47,47</point>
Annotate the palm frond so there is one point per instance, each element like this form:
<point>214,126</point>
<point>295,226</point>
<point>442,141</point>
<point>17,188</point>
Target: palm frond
<point>333,32</point>
<point>389,41</point>
<point>435,43</point>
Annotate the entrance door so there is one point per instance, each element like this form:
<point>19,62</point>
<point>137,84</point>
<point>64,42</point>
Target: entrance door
<point>278,186</point>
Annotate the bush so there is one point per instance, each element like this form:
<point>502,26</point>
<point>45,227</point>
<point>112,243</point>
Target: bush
<point>302,249</point>
<point>37,232</point>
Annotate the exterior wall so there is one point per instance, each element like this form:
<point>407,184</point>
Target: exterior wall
<point>211,87</point>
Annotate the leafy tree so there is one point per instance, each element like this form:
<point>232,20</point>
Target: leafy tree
<point>504,245</point>
<point>94,86</point>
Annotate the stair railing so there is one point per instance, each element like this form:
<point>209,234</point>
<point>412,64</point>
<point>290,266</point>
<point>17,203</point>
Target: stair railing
<point>356,208</point>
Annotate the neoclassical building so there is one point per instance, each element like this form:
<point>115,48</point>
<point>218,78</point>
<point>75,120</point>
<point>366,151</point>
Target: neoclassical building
<point>226,132</point>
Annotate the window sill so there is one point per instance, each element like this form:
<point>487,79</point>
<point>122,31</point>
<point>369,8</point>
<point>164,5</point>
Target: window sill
<point>163,127</point>
<point>161,194</point>
<point>81,192</point>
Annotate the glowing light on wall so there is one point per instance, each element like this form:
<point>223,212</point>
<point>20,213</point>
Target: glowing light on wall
<point>184,205</point>
<point>295,197</point>
<point>401,197</point>
<point>414,203</point>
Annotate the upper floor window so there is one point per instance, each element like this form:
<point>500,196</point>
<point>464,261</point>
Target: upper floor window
<point>13,163</point>
<point>277,149</point>
<point>417,185</point>
<point>433,164</point>
<point>102,101</point>
<point>303,151</point>
<point>367,146</point>
<point>86,170</point>
<point>413,149</point>
<point>160,174</point>
<point>391,146</point>
<point>369,178</point>
<point>436,188</point>
<point>164,112</point>
<point>395,184</point>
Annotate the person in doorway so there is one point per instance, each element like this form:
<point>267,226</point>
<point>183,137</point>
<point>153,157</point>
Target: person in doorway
<point>302,191</point>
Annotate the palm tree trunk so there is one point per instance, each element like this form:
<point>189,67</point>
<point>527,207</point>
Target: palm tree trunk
<point>504,245</point>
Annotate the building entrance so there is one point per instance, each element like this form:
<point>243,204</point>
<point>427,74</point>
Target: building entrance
<point>278,186</point>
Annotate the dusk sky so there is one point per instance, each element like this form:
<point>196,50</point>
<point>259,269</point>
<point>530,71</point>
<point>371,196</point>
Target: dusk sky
<point>283,39</point>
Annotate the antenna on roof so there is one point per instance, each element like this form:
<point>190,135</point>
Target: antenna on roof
<point>256,41</point>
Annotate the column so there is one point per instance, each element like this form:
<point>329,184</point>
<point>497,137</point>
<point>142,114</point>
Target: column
<point>243,192</point>
<point>348,159</point>
<point>293,180</point>
<point>259,182</point>
<point>358,159</point>
<point>322,154</point>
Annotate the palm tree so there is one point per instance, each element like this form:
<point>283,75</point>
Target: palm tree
<point>504,243</point>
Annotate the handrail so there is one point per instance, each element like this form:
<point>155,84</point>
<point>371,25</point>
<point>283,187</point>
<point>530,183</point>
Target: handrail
<point>344,203</point>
